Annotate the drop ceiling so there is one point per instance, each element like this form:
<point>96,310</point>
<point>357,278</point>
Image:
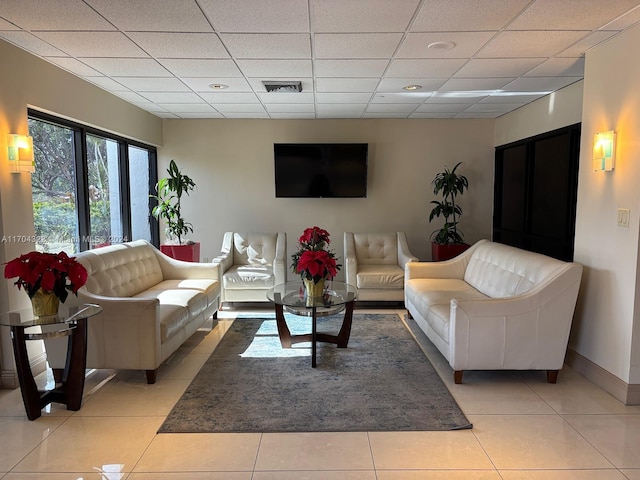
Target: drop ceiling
<point>209,58</point>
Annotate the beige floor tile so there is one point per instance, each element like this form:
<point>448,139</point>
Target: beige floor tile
<point>438,475</point>
<point>127,398</point>
<point>182,366</point>
<point>83,444</point>
<point>534,442</point>
<point>20,435</point>
<point>190,476</point>
<point>427,450</point>
<point>499,397</point>
<point>94,475</point>
<point>573,394</point>
<point>314,451</point>
<point>616,436</point>
<point>562,475</point>
<point>199,452</point>
<point>329,475</point>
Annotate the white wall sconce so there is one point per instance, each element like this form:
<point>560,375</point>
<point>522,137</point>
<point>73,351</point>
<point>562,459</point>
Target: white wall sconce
<point>20,152</point>
<point>604,151</point>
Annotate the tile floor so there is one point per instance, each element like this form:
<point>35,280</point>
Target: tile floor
<point>524,428</point>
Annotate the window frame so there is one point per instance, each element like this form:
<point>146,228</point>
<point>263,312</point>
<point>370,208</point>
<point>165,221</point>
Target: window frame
<point>80,133</point>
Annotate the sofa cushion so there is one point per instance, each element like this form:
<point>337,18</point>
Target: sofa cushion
<point>380,276</point>
<point>121,270</point>
<point>501,271</point>
<point>433,296</point>
<point>376,248</point>
<point>211,288</point>
<point>241,277</point>
<point>254,248</point>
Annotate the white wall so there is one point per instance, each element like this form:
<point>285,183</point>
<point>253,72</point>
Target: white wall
<point>231,162</point>
<point>607,331</point>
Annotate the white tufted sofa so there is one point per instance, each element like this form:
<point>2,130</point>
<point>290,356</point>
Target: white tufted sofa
<point>495,307</point>
<point>250,264</point>
<point>374,264</point>
<point>151,305</point>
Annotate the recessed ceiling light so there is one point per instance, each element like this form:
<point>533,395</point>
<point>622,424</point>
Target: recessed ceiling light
<point>441,45</point>
<point>218,86</point>
<point>412,87</point>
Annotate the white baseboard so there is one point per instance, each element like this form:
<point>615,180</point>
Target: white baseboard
<point>9,378</point>
<point>629,394</point>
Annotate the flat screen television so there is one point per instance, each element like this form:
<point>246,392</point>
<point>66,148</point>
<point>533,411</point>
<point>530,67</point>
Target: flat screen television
<point>320,170</point>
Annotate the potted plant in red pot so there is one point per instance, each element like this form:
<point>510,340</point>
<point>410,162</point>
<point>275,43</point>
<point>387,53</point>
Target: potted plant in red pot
<point>169,195</point>
<point>448,242</point>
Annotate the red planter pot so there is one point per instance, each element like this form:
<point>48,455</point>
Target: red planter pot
<point>447,252</point>
<point>188,253</point>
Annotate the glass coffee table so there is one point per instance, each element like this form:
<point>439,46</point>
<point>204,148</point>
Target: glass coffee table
<point>290,296</point>
<point>73,324</point>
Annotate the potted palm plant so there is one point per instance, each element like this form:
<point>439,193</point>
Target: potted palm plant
<point>169,191</point>
<point>448,242</point>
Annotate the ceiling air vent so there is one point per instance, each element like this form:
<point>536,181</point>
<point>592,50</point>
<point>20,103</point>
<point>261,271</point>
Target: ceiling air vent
<point>282,87</point>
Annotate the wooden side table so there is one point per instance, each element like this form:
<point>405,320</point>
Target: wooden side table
<point>69,391</point>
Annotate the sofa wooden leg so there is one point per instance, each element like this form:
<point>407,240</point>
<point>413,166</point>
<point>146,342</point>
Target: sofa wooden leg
<point>457,377</point>
<point>151,376</point>
<point>409,315</point>
<point>552,376</point>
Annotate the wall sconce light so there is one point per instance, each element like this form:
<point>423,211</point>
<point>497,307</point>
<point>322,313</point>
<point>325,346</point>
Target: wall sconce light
<point>20,152</point>
<point>604,151</point>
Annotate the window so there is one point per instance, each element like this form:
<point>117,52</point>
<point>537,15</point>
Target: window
<point>90,188</point>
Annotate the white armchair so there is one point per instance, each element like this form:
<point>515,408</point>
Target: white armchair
<point>250,264</point>
<point>374,263</point>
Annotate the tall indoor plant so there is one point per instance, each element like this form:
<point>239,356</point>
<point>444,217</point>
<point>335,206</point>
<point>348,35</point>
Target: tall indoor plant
<point>169,191</point>
<point>447,242</point>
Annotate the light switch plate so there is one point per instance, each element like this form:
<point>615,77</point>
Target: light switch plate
<point>623,217</point>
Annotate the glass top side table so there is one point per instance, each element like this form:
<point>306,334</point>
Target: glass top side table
<point>72,324</point>
<point>290,296</point>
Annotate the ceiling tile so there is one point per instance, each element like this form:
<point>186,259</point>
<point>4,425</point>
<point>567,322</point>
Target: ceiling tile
<point>246,115</point>
<point>152,84</point>
<point>465,15</point>
<point>500,108</point>
<point>190,67</point>
<point>478,115</point>
<point>93,44</point>
<point>511,97</point>
<point>350,68</point>
<point>385,115</point>
<point>413,98</point>
<point>291,107</point>
<point>73,66</point>
<point>431,115</point>
<point>276,68</point>
<point>346,84</point>
<point>624,21</point>
<point>391,107</point>
<point>274,97</point>
<point>180,45</point>
<point>109,84</point>
<point>202,84</point>
<point>360,45</point>
<point>497,67</point>
<point>153,15</point>
<point>31,43</point>
<point>442,107</point>
<point>352,16</point>
<point>265,47</point>
<point>133,97</point>
<point>540,84</point>
<point>474,84</point>
<point>240,108</point>
<point>430,68</point>
<point>262,16</point>
<point>173,97</point>
<point>416,45</point>
<point>579,48</point>
<point>324,97</point>
<point>53,15</point>
<point>396,84</point>
<point>570,14</point>
<point>127,67</point>
<point>341,109</point>
<point>229,97</point>
<point>4,25</point>
<point>456,97</point>
<point>200,115</point>
<point>561,67</point>
<point>293,115</point>
<point>187,107</point>
<point>529,44</point>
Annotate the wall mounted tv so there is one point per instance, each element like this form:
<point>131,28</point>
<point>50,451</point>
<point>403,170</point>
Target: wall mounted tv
<point>320,170</point>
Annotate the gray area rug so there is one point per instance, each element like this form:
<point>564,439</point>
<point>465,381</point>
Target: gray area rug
<point>381,382</point>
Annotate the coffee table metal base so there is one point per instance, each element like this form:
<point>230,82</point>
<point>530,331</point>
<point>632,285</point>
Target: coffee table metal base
<point>341,339</point>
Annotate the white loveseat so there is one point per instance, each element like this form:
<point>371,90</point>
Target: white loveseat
<point>151,305</point>
<point>495,307</point>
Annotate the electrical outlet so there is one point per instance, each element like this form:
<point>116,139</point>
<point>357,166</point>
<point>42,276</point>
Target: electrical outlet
<point>623,217</point>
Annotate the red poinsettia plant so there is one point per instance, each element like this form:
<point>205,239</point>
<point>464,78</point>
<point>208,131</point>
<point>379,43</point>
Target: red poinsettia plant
<point>314,260</point>
<point>53,272</point>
